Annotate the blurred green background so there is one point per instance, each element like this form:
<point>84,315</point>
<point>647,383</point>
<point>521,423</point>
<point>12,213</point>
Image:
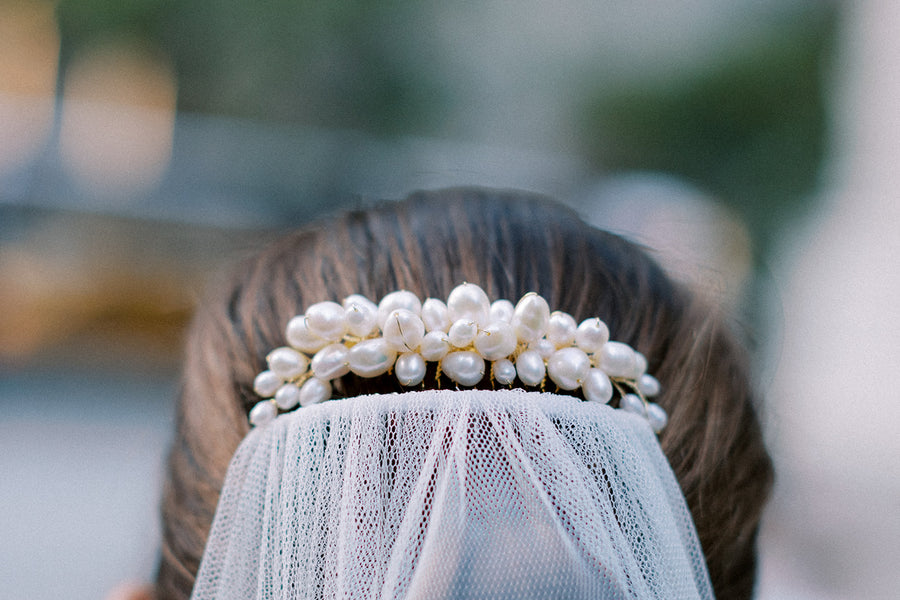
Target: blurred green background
<point>741,115</point>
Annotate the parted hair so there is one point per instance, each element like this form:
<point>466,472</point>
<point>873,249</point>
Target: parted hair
<point>509,243</point>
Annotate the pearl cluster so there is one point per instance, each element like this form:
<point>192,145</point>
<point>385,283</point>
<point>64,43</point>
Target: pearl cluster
<point>402,333</point>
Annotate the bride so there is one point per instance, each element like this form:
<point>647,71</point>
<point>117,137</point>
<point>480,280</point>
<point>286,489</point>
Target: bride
<point>495,401</point>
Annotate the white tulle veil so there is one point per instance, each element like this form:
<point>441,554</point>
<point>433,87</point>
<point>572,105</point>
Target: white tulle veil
<point>452,494</point>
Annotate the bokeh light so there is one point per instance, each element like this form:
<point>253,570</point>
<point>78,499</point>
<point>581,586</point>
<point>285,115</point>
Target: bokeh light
<point>29,50</point>
<point>118,118</point>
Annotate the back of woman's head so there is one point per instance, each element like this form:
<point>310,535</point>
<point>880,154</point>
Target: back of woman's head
<point>508,243</point>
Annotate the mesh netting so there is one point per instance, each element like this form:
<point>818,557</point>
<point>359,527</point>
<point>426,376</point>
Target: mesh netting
<point>452,494</point>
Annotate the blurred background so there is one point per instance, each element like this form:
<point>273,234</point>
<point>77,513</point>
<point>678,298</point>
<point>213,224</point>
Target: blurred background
<point>146,145</point>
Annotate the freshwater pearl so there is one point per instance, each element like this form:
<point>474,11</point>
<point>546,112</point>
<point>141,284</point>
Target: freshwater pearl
<point>462,333</point>
<point>331,362</point>
<point>468,301</point>
<point>543,346</point>
<point>315,390</point>
<point>435,345</point>
<point>287,396</point>
<point>327,320</point>
<point>465,367</point>
<point>632,403</point>
<point>403,330</point>
<point>410,369</point>
<point>640,365</point>
<point>434,315</point>
<point>300,337</point>
<point>657,417</point>
<point>591,335</point>
<point>597,387</point>
<point>530,318</point>
<point>501,311</point>
<point>262,413</point>
<point>395,300</point>
<point>360,300</point>
<point>266,384</point>
<point>568,367</point>
<point>361,314</point>
<point>287,363</point>
<point>561,329</point>
<point>504,371</point>
<point>617,359</point>
<point>648,385</point>
<point>530,368</point>
<point>371,357</point>
<point>496,341</point>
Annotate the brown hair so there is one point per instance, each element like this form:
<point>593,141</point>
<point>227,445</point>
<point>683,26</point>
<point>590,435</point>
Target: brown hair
<point>509,243</point>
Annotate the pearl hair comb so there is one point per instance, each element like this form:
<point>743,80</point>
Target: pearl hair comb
<point>401,333</point>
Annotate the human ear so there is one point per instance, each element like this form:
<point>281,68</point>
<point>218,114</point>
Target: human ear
<point>130,591</point>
